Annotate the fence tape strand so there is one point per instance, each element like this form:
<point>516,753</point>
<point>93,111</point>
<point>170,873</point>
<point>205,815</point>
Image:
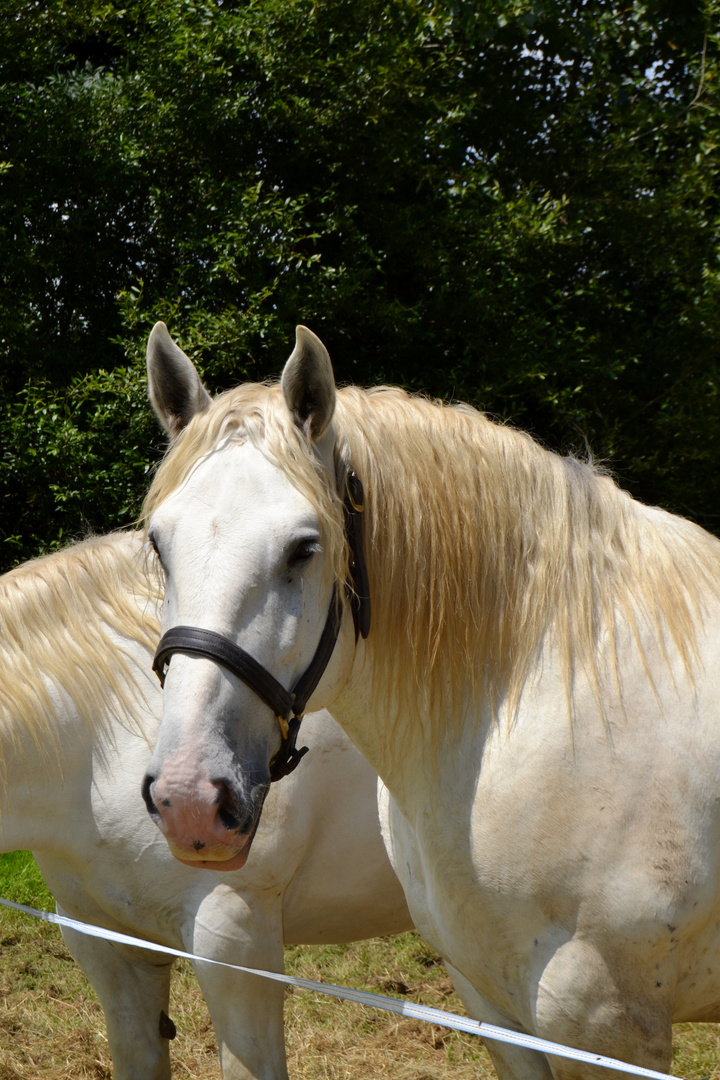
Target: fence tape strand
<point>360,997</point>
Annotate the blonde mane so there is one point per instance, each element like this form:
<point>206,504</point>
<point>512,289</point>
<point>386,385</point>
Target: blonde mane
<point>480,544</point>
<point>60,619</point>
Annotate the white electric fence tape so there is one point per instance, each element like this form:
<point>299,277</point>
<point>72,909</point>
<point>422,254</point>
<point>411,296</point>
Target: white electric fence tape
<point>361,997</point>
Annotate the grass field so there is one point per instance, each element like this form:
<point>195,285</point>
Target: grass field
<point>51,1026</point>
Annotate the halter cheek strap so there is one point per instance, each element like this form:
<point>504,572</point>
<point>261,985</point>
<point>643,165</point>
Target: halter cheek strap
<point>359,589</point>
<point>288,707</point>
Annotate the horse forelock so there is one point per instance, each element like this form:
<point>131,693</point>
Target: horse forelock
<point>480,544</point>
<point>63,620</point>
<point>256,412</point>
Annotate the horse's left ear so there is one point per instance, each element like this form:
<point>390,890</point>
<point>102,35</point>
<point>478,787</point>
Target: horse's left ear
<point>308,383</point>
<point>174,386</point>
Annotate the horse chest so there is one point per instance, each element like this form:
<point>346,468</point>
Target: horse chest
<point>451,906</point>
<point>553,840</point>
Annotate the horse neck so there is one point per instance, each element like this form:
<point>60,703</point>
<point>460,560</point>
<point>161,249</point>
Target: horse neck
<point>77,625</point>
<point>406,754</point>
<point>437,534</point>
<point>482,547</point>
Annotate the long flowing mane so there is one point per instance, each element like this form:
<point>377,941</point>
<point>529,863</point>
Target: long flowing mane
<point>62,618</point>
<point>481,545</point>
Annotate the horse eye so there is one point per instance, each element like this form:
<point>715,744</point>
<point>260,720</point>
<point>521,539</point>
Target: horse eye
<point>304,551</point>
<point>153,544</point>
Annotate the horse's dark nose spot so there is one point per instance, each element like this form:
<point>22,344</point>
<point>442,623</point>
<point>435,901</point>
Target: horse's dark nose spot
<point>198,845</point>
<point>166,802</point>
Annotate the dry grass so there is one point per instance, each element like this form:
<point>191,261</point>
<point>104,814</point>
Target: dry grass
<point>52,1028</point>
<point>336,1040</point>
<point>51,1025</point>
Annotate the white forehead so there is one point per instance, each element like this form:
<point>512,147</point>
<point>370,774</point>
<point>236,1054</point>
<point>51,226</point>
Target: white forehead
<point>235,488</point>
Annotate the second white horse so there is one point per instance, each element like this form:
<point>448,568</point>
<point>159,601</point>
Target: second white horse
<point>79,708</point>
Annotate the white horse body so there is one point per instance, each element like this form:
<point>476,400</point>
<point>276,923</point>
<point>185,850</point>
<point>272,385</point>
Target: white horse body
<point>314,876</point>
<point>578,891</point>
<point>559,841</point>
<point>570,872</point>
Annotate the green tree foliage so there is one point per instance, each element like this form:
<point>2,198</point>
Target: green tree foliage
<point>512,202</point>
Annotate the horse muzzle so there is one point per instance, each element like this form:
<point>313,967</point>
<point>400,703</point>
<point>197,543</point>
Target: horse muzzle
<point>207,823</point>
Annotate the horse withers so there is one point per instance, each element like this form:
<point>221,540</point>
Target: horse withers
<point>79,710</point>
<point>538,689</point>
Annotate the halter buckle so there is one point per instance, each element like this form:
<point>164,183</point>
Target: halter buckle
<point>288,757</point>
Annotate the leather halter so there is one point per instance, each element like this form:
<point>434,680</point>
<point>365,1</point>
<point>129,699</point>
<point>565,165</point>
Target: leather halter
<point>288,706</point>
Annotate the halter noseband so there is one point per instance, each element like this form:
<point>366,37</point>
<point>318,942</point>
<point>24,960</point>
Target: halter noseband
<point>198,642</point>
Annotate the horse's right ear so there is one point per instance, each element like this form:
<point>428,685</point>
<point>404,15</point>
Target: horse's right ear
<point>308,383</point>
<point>174,388</point>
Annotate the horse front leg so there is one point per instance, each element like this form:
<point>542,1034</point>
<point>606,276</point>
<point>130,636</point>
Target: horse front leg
<point>246,1010</point>
<point>134,990</point>
<point>615,1000</point>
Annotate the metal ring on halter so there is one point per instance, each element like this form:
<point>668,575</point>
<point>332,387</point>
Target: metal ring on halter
<point>355,491</point>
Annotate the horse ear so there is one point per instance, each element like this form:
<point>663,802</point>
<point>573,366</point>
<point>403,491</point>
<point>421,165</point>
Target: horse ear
<point>174,388</point>
<point>308,384</point>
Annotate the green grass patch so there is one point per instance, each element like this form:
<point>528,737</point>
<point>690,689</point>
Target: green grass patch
<point>21,881</point>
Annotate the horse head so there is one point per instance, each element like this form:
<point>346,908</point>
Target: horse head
<point>249,533</point>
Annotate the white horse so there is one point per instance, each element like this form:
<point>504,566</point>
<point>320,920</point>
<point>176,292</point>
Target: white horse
<point>539,689</point>
<point>79,707</point>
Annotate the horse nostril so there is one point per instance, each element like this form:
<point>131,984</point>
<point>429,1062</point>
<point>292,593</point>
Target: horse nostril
<point>147,796</point>
<point>227,807</point>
